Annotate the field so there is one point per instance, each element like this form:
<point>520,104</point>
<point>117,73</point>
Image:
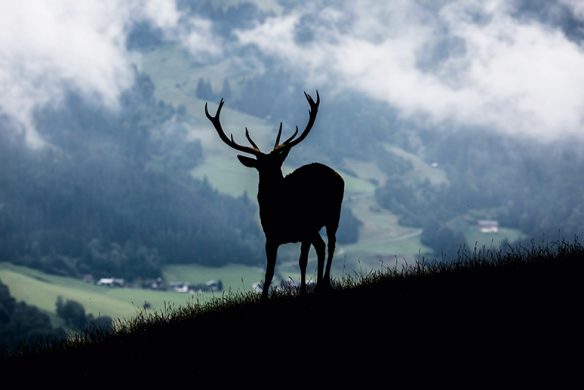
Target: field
<point>41,290</point>
<point>224,175</point>
<point>476,239</point>
<point>233,276</point>
<point>420,169</point>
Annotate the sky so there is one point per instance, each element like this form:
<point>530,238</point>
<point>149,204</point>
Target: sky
<point>493,64</point>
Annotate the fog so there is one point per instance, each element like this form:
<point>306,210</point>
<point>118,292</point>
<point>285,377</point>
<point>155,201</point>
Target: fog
<point>463,63</point>
<point>494,65</point>
<point>50,47</point>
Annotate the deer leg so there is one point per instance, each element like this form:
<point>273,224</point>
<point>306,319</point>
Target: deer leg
<point>271,254</point>
<point>319,246</point>
<point>303,263</point>
<point>331,250</point>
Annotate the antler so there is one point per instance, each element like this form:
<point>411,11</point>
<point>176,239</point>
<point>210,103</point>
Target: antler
<point>290,142</point>
<point>217,124</point>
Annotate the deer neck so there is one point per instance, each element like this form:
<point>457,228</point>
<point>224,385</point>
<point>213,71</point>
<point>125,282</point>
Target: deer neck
<point>270,185</point>
<point>270,194</point>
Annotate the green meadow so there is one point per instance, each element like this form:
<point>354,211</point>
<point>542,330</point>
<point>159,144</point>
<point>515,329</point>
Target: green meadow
<point>41,289</point>
<point>476,239</point>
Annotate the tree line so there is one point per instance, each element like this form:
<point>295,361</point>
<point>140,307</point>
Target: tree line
<point>22,324</point>
<point>112,195</point>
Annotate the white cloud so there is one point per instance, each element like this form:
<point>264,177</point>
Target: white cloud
<point>576,6</point>
<point>50,46</point>
<point>197,37</point>
<point>452,63</point>
<point>461,63</point>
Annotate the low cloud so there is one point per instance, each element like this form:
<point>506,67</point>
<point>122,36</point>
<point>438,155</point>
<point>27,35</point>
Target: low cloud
<point>457,64</point>
<point>49,47</point>
<point>575,6</point>
<point>464,63</point>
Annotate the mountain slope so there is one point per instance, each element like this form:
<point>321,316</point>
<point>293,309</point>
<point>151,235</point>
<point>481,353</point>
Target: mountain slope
<point>512,311</point>
<point>112,194</point>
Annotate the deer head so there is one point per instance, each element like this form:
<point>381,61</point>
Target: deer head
<point>266,163</point>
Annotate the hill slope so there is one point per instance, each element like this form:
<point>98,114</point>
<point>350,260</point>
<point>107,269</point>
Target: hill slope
<point>478,315</point>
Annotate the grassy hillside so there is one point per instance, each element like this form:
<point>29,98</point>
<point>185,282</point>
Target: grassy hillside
<point>420,170</point>
<point>474,238</point>
<point>487,312</point>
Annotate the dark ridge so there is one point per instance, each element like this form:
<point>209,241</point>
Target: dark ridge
<point>490,314</point>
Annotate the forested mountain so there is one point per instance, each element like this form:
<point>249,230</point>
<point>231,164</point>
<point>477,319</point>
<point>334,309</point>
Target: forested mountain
<point>532,187</point>
<point>523,182</point>
<point>111,193</point>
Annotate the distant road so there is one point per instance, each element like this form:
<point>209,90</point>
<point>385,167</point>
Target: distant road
<point>415,233</point>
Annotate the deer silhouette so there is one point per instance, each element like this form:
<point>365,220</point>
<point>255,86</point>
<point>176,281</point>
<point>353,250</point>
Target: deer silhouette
<point>296,207</point>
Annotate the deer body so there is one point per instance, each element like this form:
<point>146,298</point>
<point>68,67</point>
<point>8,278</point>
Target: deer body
<point>293,208</point>
<point>300,204</point>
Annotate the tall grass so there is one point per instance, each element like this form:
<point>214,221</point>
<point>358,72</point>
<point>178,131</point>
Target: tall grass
<point>480,261</point>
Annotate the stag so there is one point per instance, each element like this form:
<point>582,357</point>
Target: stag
<point>296,207</point>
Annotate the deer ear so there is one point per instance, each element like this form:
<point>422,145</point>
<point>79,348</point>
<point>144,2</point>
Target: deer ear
<point>247,161</point>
